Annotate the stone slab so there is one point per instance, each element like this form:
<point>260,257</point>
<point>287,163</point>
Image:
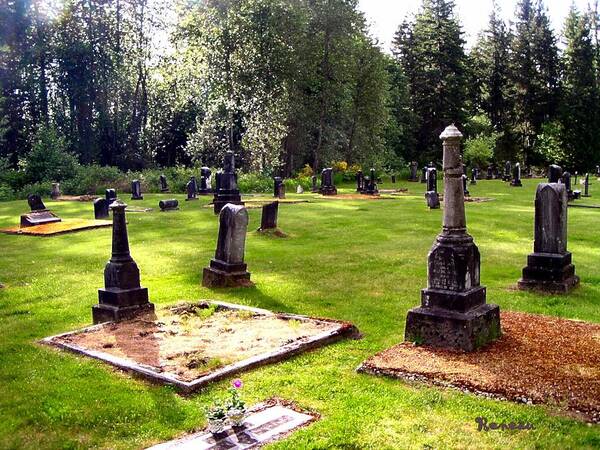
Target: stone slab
<point>53,229</point>
<point>341,330</point>
<point>260,427</point>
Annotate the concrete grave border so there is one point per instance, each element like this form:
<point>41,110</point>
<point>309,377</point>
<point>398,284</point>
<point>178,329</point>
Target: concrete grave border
<point>343,330</point>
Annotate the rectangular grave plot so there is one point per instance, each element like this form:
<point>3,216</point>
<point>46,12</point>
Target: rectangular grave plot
<point>177,348</point>
<point>63,227</point>
<point>265,423</point>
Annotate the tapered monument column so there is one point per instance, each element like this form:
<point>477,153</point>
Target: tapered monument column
<point>453,313</point>
<point>122,296</point>
<point>227,190</point>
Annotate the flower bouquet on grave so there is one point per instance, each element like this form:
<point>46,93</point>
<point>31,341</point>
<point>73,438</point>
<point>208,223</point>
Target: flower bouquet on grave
<point>236,407</point>
<point>217,417</point>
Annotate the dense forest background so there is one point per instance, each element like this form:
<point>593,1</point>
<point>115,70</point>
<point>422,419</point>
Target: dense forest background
<point>141,84</point>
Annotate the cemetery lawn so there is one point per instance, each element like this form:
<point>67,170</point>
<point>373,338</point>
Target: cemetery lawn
<point>355,260</point>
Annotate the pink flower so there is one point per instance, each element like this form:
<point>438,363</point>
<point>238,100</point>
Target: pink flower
<point>237,383</point>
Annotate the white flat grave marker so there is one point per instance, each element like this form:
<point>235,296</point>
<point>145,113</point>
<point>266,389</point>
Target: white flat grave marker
<point>258,429</point>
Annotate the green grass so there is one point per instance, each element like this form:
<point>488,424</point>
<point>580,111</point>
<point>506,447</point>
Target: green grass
<point>361,261</point>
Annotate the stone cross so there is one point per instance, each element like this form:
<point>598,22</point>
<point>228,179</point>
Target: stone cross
<point>164,187</point>
<point>136,190</point>
<point>549,267</point>
<point>122,296</point>
<point>453,312</point>
<point>101,209</point>
<point>269,216</point>
<point>227,268</point>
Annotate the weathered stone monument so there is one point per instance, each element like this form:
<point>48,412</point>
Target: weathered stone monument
<point>474,173</point>
<point>136,190</point>
<point>227,188</point>
<point>360,181</point>
<point>205,181</point>
<point>122,296</point>
<point>566,180</point>
<point>299,189</point>
<point>327,186</point>
<point>549,267</point>
<point>168,205</point>
<point>39,215</point>
<point>101,209</point>
<point>424,174</point>
<point>507,171</point>
<point>370,187</point>
<point>110,195</point>
<point>414,169</point>
<point>277,181</point>
<point>516,181</point>
<point>431,196</point>
<point>55,191</point>
<point>586,186</point>
<point>453,312</point>
<point>490,173</point>
<point>191,188</point>
<point>269,216</point>
<point>227,268</point>
<point>164,187</point>
<point>465,187</point>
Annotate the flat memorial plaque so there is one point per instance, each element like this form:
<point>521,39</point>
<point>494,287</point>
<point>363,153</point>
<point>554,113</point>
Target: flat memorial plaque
<point>258,428</point>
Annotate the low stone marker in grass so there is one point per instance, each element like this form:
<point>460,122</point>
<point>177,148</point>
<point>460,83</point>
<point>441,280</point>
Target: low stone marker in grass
<point>432,196</point>
<point>164,187</point>
<point>122,296</point>
<point>453,311</point>
<point>549,267</point>
<point>39,215</point>
<point>168,205</point>
<point>191,188</point>
<point>55,191</point>
<point>227,268</point>
<point>101,209</point>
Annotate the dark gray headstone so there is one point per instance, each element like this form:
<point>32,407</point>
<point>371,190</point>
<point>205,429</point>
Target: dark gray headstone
<point>360,181</point>
<point>35,202</point>
<point>191,188</point>
<point>424,175</point>
<point>490,173</point>
<point>314,187</point>
<point>327,186</point>
<point>474,175</point>
<point>554,174</point>
<point>164,187</point>
<point>549,267</point>
<point>453,312</point>
<point>371,184</point>
<point>516,181</point>
<point>414,172</point>
<point>55,191</point>
<point>507,171</point>
<point>465,187</point>
<point>136,190</point>
<point>205,181</point>
<point>277,181</point>
<point>122,296</point>
<point>227,190</point>
<point>393,179</point>
<point>169,205</point>
<point>111,195</point>
<point>101,209</point>
<point>269,216</point>
<point>227,268</point>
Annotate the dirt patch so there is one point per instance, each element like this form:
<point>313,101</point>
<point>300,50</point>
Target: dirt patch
<point>273,232</point>
<point>539,359</point>
<point>77,198</point>
<point>194,340</point>
<point>65,226</point>
<point>478,199</point>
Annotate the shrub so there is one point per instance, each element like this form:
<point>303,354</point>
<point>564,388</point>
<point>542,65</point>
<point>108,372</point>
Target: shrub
<point>306,172</point>
<point>252,182</point>
<point>49,159</point>
<point>479,150</point>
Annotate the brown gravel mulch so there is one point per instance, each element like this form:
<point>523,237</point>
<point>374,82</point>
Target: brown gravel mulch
<point>53,229</point>
<point>539,359</point>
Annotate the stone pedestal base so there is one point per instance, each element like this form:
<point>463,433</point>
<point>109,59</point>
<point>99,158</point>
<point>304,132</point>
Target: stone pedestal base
<point>205,191</point>
<point>328,190</point>
<point>549,272</point>
<point>38,218</point>
<point>141,197</point>
<point>443,328</point>
<point>516,183</point>
<point>120,304</point>
<point>221,275</point>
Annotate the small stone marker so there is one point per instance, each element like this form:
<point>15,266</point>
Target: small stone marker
<point>371,185</point>
<point>164,187</point>
<point>516,181</point>
<point>432,196</point>
<point>453,313</point>
<point>168,205</point>
<point>299,189</point>
<point>327,186</point>
<point>269,216</point>
<point>424,175</point>
<point>122,296</point>
<point>586,186</point>
<point>136,190</point>
<point>39,215</point>
<point>474,174</point>
<point>566,180</point>
<point>227,268</point>
<point>277,181</point>
<point>205,181</point>
<point>360,181</point>
<point>191,188</point>
<point>55,191</point>
<point>465,187</point>
<point>101,209</point>
<point>227,188</point>
<point>549,267</point>
<point>393,179</point>
<point>314,187</point>
<point>414,169</point>
<point>111,195</point>
<point>258,429</point>
<point>490,173</point>
<point>507,171</point>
